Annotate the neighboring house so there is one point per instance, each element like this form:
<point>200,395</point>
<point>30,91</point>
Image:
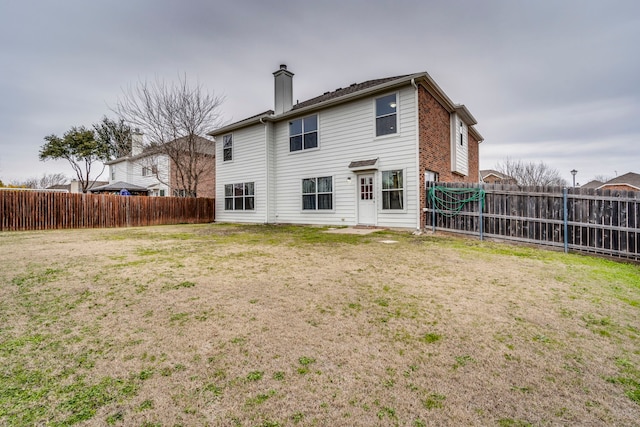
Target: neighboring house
<point>628,182</point>
<point>121,188</point>
<point>592,184</point>
<point>153,170</point>
<point>360,155</point>
<point>491,176</point>
<point>74,186</point>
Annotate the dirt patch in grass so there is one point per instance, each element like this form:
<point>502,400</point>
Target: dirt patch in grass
<point>278,326</point>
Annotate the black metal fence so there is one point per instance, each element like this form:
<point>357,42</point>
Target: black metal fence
<point>587,220</point>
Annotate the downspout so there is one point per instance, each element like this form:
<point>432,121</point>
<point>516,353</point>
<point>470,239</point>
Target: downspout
<point>418,172</point>
<point>266,151</point>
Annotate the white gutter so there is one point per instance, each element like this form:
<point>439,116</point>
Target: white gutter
<point>418,172</point>
<point>267,168</point>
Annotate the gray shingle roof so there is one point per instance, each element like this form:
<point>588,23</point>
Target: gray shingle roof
<point>592,184</point>
<point>355,87</point>
<point>629,178</point>
<point>117,186</point>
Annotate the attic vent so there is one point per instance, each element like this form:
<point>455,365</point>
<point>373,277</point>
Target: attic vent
<point>326,93</point>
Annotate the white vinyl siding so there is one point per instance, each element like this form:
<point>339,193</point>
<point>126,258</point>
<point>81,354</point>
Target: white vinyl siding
<point>459,146</point>
<point>248,166</point>
<point>132,172</point>
<point>348,134</point>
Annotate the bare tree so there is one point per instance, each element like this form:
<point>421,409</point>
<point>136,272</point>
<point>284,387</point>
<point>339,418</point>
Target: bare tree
<point>175,119</point>
<point>45,181</point>
<point>530,173</point>
<point>602,178</point>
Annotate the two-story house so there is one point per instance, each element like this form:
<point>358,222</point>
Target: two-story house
<point>155,169</point>
<point>359,155</point>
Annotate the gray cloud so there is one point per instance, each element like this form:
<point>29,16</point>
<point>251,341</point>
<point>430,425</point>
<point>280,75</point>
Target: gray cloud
<point>547,80</point>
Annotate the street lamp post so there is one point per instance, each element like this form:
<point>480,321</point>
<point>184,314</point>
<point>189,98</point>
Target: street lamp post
<point>574,172</point>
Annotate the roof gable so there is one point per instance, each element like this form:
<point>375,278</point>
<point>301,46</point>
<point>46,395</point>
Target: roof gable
<point>630,178</point>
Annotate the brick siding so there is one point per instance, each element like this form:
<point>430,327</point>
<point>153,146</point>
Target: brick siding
<point>434,131</point>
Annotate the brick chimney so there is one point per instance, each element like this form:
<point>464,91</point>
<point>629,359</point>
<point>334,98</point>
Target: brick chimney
<point>283,90</point>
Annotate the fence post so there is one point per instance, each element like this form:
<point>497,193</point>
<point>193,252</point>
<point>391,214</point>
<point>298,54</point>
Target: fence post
<point>433,206</point>
<point>565,214</point>
<point>480,203</point>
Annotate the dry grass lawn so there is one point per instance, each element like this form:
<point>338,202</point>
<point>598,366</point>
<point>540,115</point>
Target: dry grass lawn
<point>224,325</point>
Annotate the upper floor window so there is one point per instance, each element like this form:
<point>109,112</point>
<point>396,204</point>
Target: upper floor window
<point>150,170</point>
<point>303,133</point>
<point>227,148</point>
<point>392,190</point>
<point>317,193</point>
<point>239,197</point>
<point>386,115</point>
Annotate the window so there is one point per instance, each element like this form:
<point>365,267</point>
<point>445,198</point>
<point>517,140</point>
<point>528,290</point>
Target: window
<point>303,133</point>
<point>227,148</point>
<point>431,176</point>
<point>386,115</point>
<point>239,197</point>
<point>392,190</point>
<point>161,193</point>
<point>184,193</point>
<point>317,193</point>
<point>149,170</point>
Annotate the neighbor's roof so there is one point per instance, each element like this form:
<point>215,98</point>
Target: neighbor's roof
<point>592,184</point>
<point>355,91</point>
<point>207,147</point>
<point>630,178</point>
<point>117,186</point>
<point>486,172</point>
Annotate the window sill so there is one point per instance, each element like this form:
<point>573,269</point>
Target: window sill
<point>304,150</point>
<point>387,136</point>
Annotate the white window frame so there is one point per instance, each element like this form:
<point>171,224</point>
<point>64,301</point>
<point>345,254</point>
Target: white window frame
<point>316,194</point>
<point>303,133</point>
<point>227,139</point>
<point>376,116</point>
<point>403,189</point>
<point>244,196</point>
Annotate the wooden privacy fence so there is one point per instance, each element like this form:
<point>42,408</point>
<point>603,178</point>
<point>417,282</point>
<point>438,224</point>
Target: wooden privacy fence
<point>21,210</point>
<point>604,222</point>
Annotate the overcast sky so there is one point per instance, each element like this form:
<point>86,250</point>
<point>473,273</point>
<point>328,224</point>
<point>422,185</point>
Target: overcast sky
<point>548,80</point>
